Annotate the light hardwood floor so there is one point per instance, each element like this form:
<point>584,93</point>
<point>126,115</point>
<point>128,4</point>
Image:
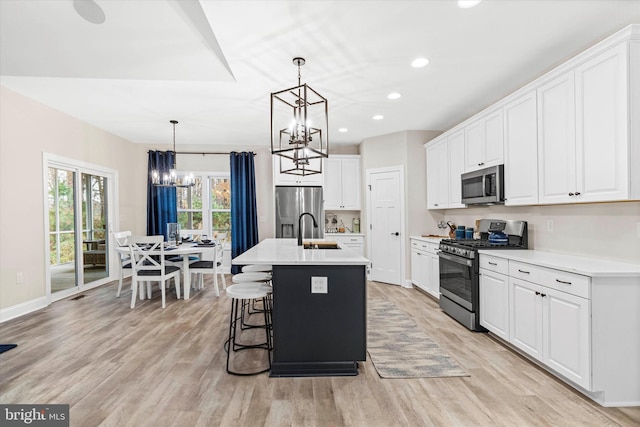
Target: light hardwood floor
<point>152,367</point>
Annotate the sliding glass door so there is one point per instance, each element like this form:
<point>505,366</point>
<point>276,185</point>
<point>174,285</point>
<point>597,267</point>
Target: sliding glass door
<point>78,215</point>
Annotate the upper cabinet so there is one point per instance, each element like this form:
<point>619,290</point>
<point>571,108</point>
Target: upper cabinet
<point>483,145</point>
<point>445,164</point>
<point>521,151</point>
<point>342,183</point>
<point>288,179</point>
<point>585,145</point>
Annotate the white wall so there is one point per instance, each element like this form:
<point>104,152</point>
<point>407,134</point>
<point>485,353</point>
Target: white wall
<point>28,129</point>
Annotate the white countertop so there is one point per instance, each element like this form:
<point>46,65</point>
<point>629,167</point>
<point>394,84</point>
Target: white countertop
<point>592,267</point>
<point>287,252</point>
<point>429,239</point>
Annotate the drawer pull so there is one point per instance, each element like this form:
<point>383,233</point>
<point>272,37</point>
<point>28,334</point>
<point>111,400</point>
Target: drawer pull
<point>525,272</point>
<point>537,293</point>
<point>493,263</point>
<point>562,281</point>
<point>543,295</point>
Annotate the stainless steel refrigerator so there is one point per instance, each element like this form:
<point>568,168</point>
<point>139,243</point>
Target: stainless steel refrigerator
<point>291,202</point>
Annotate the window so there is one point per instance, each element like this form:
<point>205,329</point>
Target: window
<point>205,208</point>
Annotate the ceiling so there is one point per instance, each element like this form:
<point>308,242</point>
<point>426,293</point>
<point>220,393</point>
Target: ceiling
<point>129,67</point>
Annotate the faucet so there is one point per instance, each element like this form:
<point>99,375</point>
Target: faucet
<point>315,225</point>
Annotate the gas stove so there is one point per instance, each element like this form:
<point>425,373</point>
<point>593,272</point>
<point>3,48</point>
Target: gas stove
<point>460,267</point>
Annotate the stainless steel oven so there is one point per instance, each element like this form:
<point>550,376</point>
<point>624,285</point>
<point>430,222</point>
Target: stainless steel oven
<point>460,270</point>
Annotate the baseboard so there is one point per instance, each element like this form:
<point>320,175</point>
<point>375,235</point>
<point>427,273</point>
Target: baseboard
<point>407,284</point>
<point>21,309</point>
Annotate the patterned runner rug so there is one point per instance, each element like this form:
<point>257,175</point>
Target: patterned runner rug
<point>398,349</point>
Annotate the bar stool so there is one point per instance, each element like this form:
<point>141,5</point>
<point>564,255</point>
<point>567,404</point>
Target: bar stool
<point>239,293</point>
<point>251,277</point>
<point>255,267</point>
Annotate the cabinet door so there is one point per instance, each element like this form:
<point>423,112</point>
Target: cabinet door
<point>494,302</point>
<point>418,269</point>
<point>456,168</point>
<point>521,151</point>
<point>525,325</point>
<point>493,139</point>
<point>556,140</point>
<point>602,127</point>
<point>566,343</point>
<point>474,146</point>
<point>437,176</point>
<point>333,183</point>
<point>350,183</point>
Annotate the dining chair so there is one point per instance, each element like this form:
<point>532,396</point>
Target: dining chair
<point>220,240</point>
<point>120,238</point>
<point>148,264</point>
<point>200,268</point>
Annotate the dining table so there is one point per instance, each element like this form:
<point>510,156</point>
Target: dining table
<point>185,250</point>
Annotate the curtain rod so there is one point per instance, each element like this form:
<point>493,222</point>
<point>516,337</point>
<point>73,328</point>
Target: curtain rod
<point>226,153</point>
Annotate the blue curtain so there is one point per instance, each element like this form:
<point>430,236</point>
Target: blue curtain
<point>244,215</point>
<point>161,201</point>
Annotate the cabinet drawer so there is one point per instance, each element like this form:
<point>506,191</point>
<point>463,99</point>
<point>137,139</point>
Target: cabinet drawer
<point>499,265</point>
<point>419,245</point>
<point>574,284</point>
<point>353,240</point>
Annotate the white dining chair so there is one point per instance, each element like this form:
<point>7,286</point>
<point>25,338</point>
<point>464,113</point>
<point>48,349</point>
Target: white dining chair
<point>120,238</point>
<point>148,264</point>
<point>200,268</point>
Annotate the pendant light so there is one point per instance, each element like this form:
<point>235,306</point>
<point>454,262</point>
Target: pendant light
<point>171,179</point>
<point>299,127</point>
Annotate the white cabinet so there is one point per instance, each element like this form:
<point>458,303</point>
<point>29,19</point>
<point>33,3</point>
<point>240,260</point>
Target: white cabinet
<point>585,147</point>
<point>351,241</point>
<point>445,164</point>
<point>342,183</point>
<point>551,325</point>
<point>494,295</point>
<point>282,163</point>
<point>484,142</point>
<point>521,151</point>
<point>425,266</point>
<point>437,175</point>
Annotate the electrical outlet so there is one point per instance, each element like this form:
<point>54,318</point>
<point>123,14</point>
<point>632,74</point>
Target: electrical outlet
<point>550,225</point>
<point>319,285</point>
<point>19,278</point>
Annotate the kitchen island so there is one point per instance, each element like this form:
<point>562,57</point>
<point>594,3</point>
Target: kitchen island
<point>319,307</point>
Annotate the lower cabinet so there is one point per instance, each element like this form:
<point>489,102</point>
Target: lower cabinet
<point>494,297</point>
<point>351,241</point>
<point>553,327</point>
<point>425,266</point>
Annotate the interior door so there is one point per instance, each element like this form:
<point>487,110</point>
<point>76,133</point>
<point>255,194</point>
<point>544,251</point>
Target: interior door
<point>386,226</point>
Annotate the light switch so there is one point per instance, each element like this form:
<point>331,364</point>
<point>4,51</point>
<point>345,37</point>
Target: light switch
<point>319,285</point>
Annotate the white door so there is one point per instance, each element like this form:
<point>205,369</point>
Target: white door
<point>386,213</point>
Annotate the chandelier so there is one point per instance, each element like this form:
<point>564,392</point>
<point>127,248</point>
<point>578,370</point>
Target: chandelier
<point>171,179</point>
<point>299,128</point>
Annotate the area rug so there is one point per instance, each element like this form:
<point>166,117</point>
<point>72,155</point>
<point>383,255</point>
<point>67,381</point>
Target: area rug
<point>7,347</point>
<point>398,349</point>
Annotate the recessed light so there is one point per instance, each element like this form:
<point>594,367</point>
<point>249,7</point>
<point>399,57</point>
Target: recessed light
<point>419,62</point>
<point>394,95</point>
<point>378,117</point>
<point>343,130</point>
<point>467,4</point>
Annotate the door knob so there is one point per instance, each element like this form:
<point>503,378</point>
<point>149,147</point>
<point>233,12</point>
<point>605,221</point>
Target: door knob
<point>395,234</point>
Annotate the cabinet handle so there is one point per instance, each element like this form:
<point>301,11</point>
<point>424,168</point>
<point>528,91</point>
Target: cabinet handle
<point>577,193</point>
<point>493,263</point>
<point>543,295</point>
<point>570,194</point>
<point>435,204</point>
<point>525,272</point>
<point>537,293</point>
<point>562,281</point>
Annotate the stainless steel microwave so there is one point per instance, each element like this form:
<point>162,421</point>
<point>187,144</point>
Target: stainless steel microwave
<point>484,186</point>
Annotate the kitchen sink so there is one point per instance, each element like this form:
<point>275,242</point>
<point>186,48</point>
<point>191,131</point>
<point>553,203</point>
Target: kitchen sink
<point>320,245</point>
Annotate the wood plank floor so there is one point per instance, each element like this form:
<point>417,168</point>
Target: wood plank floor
<point>152,367</point>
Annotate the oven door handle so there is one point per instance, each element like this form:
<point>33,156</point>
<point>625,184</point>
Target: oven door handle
<point>456,259</point>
